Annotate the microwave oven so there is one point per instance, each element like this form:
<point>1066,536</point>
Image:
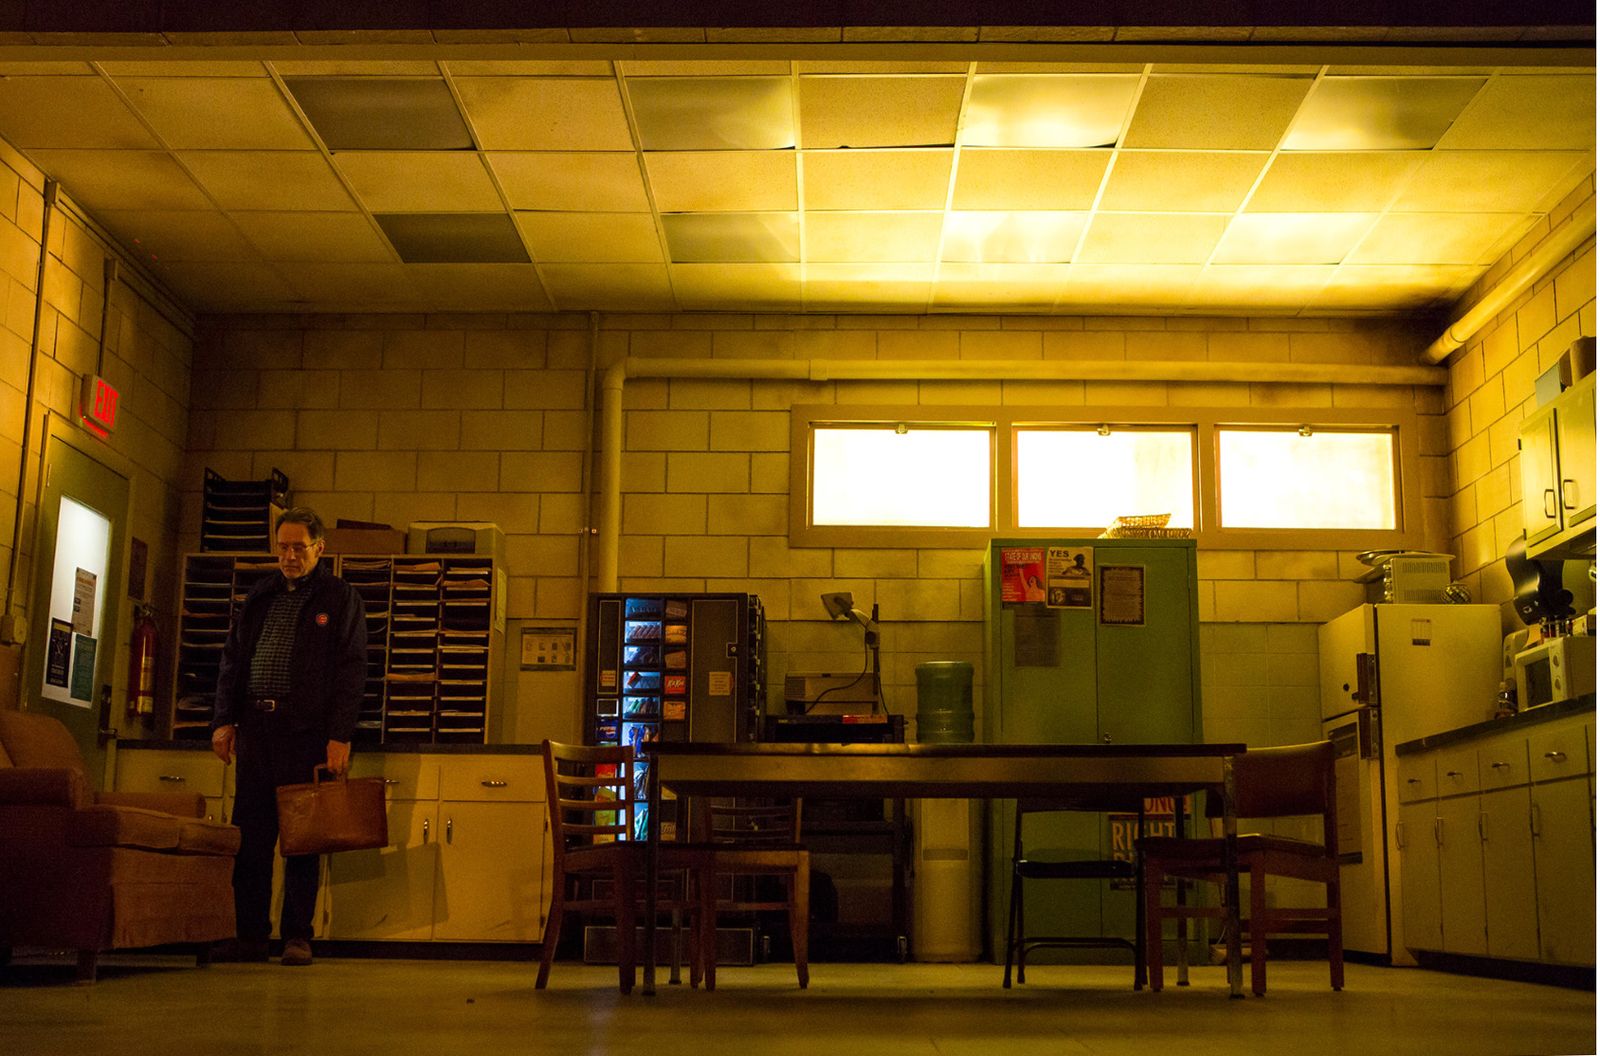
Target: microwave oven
<point>1556,669</point>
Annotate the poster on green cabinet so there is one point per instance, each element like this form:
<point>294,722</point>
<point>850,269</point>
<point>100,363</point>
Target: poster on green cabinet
<point>1122,595</point>
<point>1069,577</point>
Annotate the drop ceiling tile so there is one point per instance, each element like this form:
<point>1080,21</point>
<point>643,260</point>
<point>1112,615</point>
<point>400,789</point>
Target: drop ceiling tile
<point>705,68</point>
<point>722,180</point>
<point>864,238</point>
<point>1030,288</point>
<point>879,111</point>
<point>238,113</point>
<point>316,237</point>
<point>607,182</point>
<point>867,287</point>
<point>1047,110</point>
<point>1029,179</point>
<point>608,287</point>
<point>591,237</point>
<point>80,112</point>
<point>1379,113</point>
<point>420,181</point>
<point>1256,287</point>
<point>1291,238</point>
<point>528,68</point>
<point>877,68</point>
<point>1440,238</point>
<point>481,287</point>
<point>1127,286</point>
<point>1349,182</point>
<point>356,67</point>
<point>381,113</point>
<point>1528,112</point>
<point>736,238</point>
<point>226,286</point>
<point>164,235</point>
<point>1179,181</point>
<point>876,179</point>
<point>1012,238</point>
<point>158,68</point>
<point>46,69</point>
<point>545,113</point>
<point>268,179</point>
<point>353,287</point>
<point>737,287</point>
<point>1394,288</point>
<point>121,179</point>
<point>453,238</point>
<point>713,113</point>
<point>1151,238</point>
<point>1215,111</point>
<point>1493,181</point>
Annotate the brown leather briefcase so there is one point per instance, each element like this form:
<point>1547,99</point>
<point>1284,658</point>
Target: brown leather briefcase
<point>332,814</point>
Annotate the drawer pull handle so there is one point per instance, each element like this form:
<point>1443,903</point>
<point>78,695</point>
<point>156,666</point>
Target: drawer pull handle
<point>1452,773</point>
<point>179,778</point>
<point>1556,757</point>
<point>1499,766</point>
<point>425,827</point>
<point>391,780</point>
<point>1413,780</point>
<point>492,782</point>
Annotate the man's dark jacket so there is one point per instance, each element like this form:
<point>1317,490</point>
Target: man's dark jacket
<point>328,669</point>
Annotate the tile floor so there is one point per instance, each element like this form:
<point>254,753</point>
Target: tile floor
<point>163,1005</point>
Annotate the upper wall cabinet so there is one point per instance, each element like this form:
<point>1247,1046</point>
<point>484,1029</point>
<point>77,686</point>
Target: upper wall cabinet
<point>1558,475</point>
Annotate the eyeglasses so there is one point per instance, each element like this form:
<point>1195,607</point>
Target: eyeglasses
<point>297,549</point>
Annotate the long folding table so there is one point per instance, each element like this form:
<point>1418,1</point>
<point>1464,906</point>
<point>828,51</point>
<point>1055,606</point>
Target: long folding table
<point>1089,773</point>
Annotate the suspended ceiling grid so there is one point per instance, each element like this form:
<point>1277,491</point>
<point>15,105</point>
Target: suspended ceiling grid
<point>831,186</point>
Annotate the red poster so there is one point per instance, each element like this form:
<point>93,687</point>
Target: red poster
<point>1021,574</point>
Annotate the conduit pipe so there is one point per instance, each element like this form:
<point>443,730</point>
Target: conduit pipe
<point>1561,243</point>
<point>821,370</point>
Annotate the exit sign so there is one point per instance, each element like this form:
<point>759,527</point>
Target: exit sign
<point>97,405</point>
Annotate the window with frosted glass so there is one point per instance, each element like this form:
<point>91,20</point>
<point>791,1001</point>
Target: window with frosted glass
<point>901,476</point>
<point>1086,478</point>
<point>1306,478</point>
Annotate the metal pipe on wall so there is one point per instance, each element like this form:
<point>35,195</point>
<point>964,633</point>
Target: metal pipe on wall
<point>617,374</point>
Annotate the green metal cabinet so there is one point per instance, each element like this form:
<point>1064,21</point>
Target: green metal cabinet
<point>1062,675</point>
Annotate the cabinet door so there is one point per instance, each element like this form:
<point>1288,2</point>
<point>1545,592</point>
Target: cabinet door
<point>388,893</point>
<point>1419,875</point>
<point>1510,915</point>
<point>1541,503</point>
<point>1575,450</point>
<point>1563,858</point>
<point>488,887</point>
<point>1461,876</point>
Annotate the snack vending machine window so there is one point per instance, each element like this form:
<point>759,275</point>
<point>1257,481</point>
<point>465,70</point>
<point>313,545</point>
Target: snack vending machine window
<point>673,667</point>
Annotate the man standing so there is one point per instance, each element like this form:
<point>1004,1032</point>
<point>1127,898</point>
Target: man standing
<point>288,692</point>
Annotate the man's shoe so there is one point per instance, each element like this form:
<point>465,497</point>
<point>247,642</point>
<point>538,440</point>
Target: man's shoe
<point>239,951</point>
<point>297,953</point>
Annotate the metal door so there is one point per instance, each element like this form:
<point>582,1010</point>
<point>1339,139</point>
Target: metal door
<point>78,584</point>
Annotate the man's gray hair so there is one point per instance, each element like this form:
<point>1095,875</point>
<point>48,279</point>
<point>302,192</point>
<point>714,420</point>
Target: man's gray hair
<point>301,515</point>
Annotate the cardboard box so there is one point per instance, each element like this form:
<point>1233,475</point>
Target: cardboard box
<point>364,541</point>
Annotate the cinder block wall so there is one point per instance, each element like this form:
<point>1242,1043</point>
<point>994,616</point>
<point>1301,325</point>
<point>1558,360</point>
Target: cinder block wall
<point>397,418</point>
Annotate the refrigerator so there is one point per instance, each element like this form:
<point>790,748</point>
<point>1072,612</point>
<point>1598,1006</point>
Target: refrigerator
<point>1392,673</point>
<point>673,667</point>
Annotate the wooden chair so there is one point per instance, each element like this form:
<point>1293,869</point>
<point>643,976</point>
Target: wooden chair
<point>589,798</point>
<point>1282,782</point>
<point>1024,868</point>
<point>754,840</point>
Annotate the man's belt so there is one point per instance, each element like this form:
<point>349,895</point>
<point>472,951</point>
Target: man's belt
<point>266,704</point>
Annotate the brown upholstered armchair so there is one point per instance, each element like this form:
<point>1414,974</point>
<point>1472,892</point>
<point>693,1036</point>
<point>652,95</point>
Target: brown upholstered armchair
<point>95,871</point>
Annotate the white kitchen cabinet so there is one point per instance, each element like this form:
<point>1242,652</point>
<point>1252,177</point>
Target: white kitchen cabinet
<point>1558,474</point>
<point>1497,854</point>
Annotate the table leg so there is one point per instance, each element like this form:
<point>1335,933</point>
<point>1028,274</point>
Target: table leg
<point>652,874</point>
<point>1230,867</point>
<point>1181,893</point>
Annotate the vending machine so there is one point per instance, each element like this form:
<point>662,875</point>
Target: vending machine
<point>673,667</point>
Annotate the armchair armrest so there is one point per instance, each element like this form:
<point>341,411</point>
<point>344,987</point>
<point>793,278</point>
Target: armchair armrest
<point>182,804</point>
<point>43,786</point>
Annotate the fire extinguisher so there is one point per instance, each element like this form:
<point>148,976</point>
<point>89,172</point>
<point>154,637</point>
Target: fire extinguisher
<point>142,664</point>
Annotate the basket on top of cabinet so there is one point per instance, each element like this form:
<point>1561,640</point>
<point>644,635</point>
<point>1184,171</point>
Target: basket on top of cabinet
<point>435,628</point>
<point>236,515</point>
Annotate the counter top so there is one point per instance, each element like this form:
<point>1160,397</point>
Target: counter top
<point>1521,720</point>
<point>360,749</point>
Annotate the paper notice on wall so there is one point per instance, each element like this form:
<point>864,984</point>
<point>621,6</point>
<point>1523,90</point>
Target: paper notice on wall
<point>83,587</point>
<point>83,653</point>
<point>720,684</point>
<point>1069,577</point>
<point>58,654</point>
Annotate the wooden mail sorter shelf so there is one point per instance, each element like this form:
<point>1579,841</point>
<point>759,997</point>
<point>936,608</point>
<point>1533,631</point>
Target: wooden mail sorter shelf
<point>434,633</point>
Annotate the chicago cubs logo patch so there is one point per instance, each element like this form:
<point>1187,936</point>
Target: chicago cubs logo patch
<point>322,619</point>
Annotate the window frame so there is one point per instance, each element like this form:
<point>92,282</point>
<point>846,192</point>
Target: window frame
<point>1206,423</point>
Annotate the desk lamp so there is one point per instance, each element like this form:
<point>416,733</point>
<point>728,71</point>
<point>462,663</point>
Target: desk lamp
<point>841,605</point>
